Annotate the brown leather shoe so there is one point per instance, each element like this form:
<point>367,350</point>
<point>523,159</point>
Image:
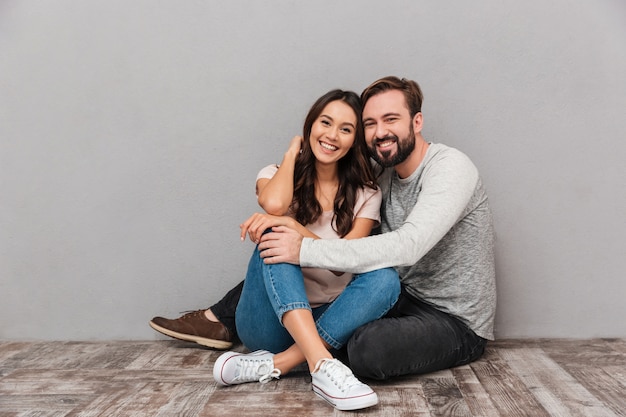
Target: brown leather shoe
<point>194,327</point>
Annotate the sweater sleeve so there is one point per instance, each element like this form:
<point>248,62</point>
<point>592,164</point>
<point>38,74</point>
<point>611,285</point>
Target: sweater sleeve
<point>448,183</point>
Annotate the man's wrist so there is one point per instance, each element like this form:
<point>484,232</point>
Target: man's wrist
<point>304,245</point>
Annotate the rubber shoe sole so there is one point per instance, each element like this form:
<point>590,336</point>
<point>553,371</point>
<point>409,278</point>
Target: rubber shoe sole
<point>348,404</point>
<point>212,343</point>
<point>233,368</point>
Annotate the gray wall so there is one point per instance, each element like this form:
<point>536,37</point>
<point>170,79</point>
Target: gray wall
<point>131,133</point>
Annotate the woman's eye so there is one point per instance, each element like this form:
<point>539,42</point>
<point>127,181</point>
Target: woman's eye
<point>325,122</point>
<point>346,130</point>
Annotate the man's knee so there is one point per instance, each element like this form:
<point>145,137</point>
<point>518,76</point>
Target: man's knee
<point>366,352</point>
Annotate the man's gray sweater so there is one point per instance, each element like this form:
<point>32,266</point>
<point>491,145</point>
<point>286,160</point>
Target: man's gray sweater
<point>437,233</point>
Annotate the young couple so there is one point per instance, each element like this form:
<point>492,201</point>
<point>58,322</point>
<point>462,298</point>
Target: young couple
<point>300,300</point>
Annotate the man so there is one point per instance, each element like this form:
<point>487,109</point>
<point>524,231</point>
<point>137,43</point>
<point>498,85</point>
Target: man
<point>436,231</point>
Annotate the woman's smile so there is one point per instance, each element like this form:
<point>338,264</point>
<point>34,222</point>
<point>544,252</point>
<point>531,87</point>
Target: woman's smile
<point>327,146</point>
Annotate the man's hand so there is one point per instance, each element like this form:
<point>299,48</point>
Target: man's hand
<point>282,244</point>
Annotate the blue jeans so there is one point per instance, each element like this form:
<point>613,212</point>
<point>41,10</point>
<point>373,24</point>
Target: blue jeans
<point>270,291</point>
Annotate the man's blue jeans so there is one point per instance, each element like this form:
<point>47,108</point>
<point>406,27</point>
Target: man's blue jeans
<point>270,291</point>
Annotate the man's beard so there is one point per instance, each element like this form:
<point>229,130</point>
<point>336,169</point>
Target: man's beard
<point>404,149</point>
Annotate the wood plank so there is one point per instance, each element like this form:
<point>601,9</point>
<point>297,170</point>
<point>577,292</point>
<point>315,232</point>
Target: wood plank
<point>536,377</point>
<point>444,397</point>
<point>554,388</point>
<point>402,402</point>
<point>476,397</point>
<point>57,381</point>
<point>266,400</point>
<point>583,353</point>
<point>8,349</point>
<point>70,355</point>
<point>507,393</point>
<point>602,384</point>
<point>189,399</point>
<point>173,355</point>
<point>146,399</point>
<point>40,404</point>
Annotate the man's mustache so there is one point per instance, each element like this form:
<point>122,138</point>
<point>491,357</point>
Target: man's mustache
<point>385,139</point>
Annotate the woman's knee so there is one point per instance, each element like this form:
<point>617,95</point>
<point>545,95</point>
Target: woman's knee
<point>266,336</point>
<point>384,283</point>
<point>392,283</point>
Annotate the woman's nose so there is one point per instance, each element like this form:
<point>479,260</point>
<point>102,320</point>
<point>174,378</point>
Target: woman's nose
<point>332,133</point>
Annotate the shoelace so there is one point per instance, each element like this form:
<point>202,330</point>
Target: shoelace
<point>190,313</point>
<point>251,369</point>
<point>339,374</point>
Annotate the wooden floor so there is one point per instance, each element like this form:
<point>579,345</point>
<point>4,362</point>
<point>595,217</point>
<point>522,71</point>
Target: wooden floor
<point>171,378</point>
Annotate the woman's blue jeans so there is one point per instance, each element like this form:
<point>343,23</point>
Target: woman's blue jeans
<point>270,291</point>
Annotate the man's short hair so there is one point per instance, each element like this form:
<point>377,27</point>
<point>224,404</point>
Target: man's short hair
<point>411,90</point>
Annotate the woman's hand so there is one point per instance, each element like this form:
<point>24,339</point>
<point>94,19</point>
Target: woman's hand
<point>295,146</point>
<point>259,223</point>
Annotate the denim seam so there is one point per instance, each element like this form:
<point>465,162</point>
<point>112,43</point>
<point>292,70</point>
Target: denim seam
<point>335,343</point>
<point>291,306</point>
<point>328,338</point>
<point>284,308</point>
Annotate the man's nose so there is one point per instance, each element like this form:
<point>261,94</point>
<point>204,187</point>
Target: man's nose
<point>381,131</point>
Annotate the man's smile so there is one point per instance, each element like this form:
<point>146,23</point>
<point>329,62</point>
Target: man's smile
<point>385,143</point>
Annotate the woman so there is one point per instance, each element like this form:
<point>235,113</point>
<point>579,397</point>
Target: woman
<point>323,188</point>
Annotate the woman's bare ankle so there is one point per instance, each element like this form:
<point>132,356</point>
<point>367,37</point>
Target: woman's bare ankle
<point>316,360</point>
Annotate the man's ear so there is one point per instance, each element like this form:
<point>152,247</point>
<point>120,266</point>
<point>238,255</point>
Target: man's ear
<point>418,122</point>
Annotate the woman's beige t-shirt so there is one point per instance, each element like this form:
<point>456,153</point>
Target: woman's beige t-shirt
<point>323,286</point>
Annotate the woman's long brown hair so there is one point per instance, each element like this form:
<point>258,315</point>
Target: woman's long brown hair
<point>354,169</point>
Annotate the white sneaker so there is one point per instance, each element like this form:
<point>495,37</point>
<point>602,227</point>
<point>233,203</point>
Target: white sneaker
<point>238,368</point>
<point>334,382</point>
